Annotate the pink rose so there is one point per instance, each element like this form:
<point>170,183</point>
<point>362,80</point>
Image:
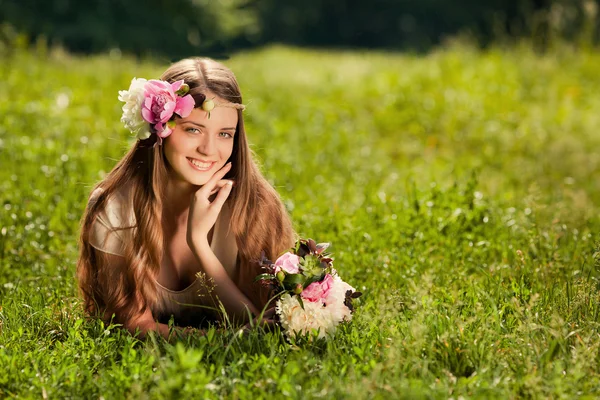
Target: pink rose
<point>289,263</point>
<point>161,102</point>
<point>318,291</point>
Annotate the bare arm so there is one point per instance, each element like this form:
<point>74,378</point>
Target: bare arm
<point>110,275</point>
<point>203,213</point>
<point>111,269</point>
<point>143,323</point>
<point>235,302</point>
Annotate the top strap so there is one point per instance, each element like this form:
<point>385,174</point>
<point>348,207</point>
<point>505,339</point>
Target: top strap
<point>108,233</point>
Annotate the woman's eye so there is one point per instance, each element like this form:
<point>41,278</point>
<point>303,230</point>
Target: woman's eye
<point>196,130</point>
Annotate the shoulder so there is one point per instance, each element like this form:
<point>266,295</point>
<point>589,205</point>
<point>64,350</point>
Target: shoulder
<point>117,211</point>
<point>113,224</point>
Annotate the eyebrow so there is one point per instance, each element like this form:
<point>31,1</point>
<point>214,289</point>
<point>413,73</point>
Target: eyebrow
<point>202,126</point>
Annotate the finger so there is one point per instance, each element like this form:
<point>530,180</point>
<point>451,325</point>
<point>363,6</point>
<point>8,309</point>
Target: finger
<point>266,314</point>
<point>210,184</point>
<point>222,196</point>
<point>268,324</point>
<point>219,185</point>
<point>270,313</point>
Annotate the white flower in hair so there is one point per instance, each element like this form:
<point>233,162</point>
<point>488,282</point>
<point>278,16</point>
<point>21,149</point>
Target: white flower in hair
<point>132,109</point>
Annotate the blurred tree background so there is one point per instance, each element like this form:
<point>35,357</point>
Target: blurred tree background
<point>177,28</point>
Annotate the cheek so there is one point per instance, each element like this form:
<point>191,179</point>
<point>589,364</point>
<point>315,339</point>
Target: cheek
<point>172,150</point>
<point>176,144</point>
<point>226,149</point>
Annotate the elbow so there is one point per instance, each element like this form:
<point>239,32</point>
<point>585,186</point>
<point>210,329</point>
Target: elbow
<point>140,325</point>
<point>138,329</point>
<point>244,314</point>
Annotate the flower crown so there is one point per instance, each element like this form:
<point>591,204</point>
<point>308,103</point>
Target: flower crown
<point>152,104</point>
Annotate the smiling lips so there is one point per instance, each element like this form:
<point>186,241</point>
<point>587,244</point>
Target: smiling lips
<point>201,165</point>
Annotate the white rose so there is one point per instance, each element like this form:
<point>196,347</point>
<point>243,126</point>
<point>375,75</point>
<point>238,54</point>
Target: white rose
<point>290,313</point>
<point>321,319</point>
<point>295,319</point>
<point>132,109</point>
<point>335,300</point>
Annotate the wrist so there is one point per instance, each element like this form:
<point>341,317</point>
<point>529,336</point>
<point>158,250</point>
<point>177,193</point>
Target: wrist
<point>199,243</point>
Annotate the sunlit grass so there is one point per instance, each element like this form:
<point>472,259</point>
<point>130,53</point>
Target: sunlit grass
<point>458,189</point>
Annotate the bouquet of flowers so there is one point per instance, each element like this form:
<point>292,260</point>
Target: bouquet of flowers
<point>313,298</point>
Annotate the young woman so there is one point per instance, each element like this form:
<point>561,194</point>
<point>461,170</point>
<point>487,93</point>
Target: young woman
<point>176,228</point>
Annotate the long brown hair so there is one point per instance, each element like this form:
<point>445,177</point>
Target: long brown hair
<point>259,220</point>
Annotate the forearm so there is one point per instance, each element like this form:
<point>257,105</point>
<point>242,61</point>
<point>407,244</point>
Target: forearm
<point>143,328</point>
<point>235,302</point>
<point>162,329</point>
<point>143,323</point>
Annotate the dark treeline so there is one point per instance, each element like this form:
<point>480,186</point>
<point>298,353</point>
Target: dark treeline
<point>176,28</point>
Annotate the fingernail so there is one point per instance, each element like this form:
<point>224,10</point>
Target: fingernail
<point>230,183</point>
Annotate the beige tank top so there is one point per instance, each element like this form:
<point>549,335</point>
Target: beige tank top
<point>187,305</point>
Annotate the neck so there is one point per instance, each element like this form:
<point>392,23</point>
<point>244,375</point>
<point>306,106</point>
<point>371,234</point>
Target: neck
<point>177,201</point>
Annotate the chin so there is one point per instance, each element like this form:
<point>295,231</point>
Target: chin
<point>198,178</point>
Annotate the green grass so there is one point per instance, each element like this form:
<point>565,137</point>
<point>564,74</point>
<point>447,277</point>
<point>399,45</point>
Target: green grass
<point>460,191</point>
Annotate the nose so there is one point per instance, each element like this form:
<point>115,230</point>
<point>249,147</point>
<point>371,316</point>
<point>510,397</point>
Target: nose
<point>207,144</point>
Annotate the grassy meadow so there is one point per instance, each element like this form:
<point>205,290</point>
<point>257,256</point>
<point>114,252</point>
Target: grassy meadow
<point>460,190</point>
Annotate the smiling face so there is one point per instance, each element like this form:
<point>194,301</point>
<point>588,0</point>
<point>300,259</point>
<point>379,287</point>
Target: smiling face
<point>198,146</point>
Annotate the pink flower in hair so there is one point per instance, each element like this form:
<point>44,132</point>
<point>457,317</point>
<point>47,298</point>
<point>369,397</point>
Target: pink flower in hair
<point>161,101</point>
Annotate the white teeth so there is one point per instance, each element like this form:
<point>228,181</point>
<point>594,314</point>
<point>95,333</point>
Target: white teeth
<point>200,164</point>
